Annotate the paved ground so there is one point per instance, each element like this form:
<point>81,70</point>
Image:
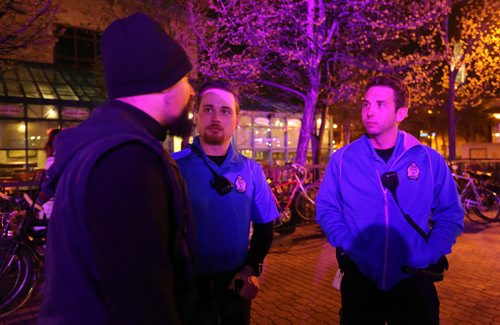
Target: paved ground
<point>296,284</point>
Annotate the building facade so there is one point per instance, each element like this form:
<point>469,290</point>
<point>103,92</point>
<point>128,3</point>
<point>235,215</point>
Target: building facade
<point>59,83</point>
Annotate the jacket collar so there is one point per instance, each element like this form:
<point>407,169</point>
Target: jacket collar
<point>404,142</point>
<point>232,155</point>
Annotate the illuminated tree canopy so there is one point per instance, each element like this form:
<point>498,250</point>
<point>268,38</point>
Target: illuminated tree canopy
<point>464,67</point>
<point>307,49</point>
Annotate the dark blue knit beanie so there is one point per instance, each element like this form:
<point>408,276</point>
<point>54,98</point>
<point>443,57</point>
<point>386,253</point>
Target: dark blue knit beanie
<point>140,58</point>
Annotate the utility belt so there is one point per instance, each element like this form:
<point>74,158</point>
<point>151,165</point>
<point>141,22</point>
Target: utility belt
<point>433,272</point>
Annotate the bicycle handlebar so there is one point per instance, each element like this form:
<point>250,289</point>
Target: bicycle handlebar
<point>4,196</point>
<point>294,165</point>
<point>31,203</point>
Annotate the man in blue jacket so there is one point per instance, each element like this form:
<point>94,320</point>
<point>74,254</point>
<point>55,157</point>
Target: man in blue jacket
<point>390,206</point>
<point>228,191</point>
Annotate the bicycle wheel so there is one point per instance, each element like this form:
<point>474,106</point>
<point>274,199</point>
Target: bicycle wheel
<point>468,202</point>
<point>488,207</point>
<point>17,279</point>
<point>285,223</point>
<point>305,208</point>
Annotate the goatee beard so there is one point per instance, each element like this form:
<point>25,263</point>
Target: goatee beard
<point>212,139</point>
<point>182,126</point>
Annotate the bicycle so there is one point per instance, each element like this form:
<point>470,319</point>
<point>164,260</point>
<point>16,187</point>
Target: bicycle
<point>477,198</point>
<point>22,249</point>
<point>288,202</point>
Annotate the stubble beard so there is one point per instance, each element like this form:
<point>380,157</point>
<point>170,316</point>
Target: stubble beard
<point>212,137</point>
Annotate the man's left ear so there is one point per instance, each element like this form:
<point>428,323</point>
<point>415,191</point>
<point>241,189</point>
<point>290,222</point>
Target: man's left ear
<point>195,118</point>
<point>401,114</point>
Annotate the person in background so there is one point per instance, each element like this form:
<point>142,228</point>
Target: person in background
<point>229,192</point>
<point>47,203</point>
<point>118,249</point>
<point>390,206</point>
<point>49,147</point>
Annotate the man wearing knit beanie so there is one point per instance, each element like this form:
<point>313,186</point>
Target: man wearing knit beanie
<point>118,248</point>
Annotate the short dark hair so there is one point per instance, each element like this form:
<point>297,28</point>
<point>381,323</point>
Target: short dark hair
<point>401,92</point>
<point>218,84</point>
<point>49,145</point>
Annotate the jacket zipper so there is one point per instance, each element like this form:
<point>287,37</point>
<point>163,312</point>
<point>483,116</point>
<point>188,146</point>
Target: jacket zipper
<point>386,243</point>
<point>386,211</point>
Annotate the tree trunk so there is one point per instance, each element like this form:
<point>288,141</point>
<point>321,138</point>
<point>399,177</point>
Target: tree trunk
<point>319,138</point>
<point>305,129</point>
<point>451,136</point>
<point>450,108</point>
<point>346,129</point>
<point>315,140</point>
<point>314,143</point>
<point>314,56</point>
<point>444,146</point>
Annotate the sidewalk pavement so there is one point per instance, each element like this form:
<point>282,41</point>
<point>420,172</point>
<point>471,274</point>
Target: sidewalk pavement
<point>297,280</point>
<point>296,285</point>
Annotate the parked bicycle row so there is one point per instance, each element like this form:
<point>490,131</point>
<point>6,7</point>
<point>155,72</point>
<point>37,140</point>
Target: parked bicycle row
<point>23,230</point>
<point>294,198</point>
<point>479,195</point>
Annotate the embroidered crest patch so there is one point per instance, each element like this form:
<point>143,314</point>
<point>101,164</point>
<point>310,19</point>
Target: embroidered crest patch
<point>241,185</point>
<point>413,172</point>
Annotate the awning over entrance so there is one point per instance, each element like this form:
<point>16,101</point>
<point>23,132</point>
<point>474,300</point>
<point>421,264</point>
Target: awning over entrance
<point>257,103</point>
<point>36,97</point>
<point>49,84</point>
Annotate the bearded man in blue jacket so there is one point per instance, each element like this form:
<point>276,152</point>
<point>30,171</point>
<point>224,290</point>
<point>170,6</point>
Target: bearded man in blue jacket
<point>228,193</point>
<point>390,206</point>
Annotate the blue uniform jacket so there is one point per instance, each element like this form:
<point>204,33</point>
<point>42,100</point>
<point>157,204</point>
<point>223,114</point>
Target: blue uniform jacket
<point>223,222</point>
<point>359,215</point>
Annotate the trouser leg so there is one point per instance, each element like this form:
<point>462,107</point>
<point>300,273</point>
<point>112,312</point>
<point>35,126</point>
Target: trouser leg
<point>217,305</point>
<point>234,309</point>
<point>206,305</point>
<point>414,301</point>
<point>362,302</point>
